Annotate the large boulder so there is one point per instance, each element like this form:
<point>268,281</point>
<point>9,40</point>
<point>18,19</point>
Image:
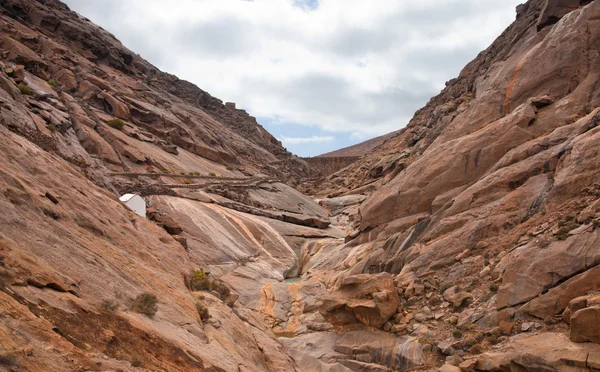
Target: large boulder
<point>370,299</point>
<point>585,325</point>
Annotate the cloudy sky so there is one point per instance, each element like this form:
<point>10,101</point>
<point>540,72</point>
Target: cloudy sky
<point>318,74</point>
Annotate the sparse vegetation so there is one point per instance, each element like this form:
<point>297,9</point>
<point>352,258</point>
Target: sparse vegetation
<point>457,333</point>
<point>229,168</point>
<point>201,282</point>
<point>109,305</point>
<point>213,174</point>
<point>52,128</point>
<point>493,288</point>
<point>166,171</point>
<point>187,182</point>
<point>202,311</point>
<point>476,349</point>
<point>182,173</point>
<point>197,173</point>
<point>116,123</point>
<point>145,303</point>
<point>53,84</point>
<point>25,89</point>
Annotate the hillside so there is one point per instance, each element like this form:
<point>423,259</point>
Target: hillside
<point>466,242</point>
<point>360,148</point>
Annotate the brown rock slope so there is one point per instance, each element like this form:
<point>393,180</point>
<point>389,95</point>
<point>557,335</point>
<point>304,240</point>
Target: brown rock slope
<point>490,195</point>
<point>101,106</point>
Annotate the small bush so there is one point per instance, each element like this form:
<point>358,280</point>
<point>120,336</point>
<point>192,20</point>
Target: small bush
<point>191,173</point>
<point>213,174</point>
<point>166,171</point>
<point>202,311</point>
<point>52,128</point>
<point>201,282</point>
<point>53,84</point>
<point>493,288</point>
<point>229,168</point>
<point>25,89</point>
<point>145,303</point>
<point>196,173</point>
<point>109,305</point>
<point>187,182</point>
<point>116,123</point>
<point>220,288</point>
<point>476,349</point>
<point>457,333</point>
<point>182,173</point>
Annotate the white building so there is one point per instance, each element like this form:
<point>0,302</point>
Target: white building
<point>135,202</point>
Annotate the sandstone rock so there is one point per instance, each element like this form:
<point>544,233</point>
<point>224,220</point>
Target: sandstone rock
<point>117,108</point>
<point>448,368</point>
<point>447,347</point>
<point>66,78</point>
<point>391,351</point>
<point>468,365</point>
<point>19,73</point>
<point>456,297</point>
<point>372,299</point>
<point>585,325</point>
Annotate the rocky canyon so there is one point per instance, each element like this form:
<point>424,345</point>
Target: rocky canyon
<point>467,241</point>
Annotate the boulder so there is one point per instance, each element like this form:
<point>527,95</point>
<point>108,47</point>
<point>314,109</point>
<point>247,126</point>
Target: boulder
<point>117,108</point>
<point>371,299</point>
<point>66,78</point>
<point>585,325</point>
<point>456,297</point>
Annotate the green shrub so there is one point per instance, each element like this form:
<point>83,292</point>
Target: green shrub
<point>166,171</point>
<point>52,128</point>
<point>25,89</point>
<point>109,305</point>
<point>202,311</point>
<point>457,333</point>
<point>187,182</point>
<point>116,123</point>
<point>191,173</point>
<point>476,349</point>
<point>145,303</point>
<point>229,168</point>
<point>182,173</point>
<point>197,173</point>
<point>201,282</point>
<point>493,288</point>
<point>213,174</point>
<point>53,84</point>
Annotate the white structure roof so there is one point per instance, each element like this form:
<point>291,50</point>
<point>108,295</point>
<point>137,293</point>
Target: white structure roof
<point>134,202</point>
<point>126,197</point>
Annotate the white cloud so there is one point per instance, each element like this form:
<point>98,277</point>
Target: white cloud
<point>299,140</point>
<point>360,66</point>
